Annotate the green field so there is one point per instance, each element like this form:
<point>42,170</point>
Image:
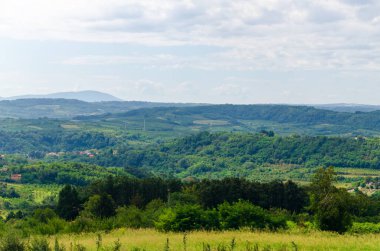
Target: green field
<point>151,240</point>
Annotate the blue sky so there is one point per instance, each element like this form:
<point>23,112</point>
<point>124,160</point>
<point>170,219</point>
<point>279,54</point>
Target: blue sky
<point>272,51</point>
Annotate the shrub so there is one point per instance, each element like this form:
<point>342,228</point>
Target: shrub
<point>244,214</point>
<point>186,218</point>
<point>12,242</point>
<point>365,228</point>
<point>130,217</point>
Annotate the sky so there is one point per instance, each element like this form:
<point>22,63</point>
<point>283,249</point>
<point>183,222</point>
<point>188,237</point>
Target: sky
<point>215,51</point>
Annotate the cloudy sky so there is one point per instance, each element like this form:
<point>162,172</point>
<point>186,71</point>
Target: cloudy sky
<point>216,51</point>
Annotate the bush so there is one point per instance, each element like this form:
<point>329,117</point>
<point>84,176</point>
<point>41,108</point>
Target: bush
<point>186,218</point>
<point>82,224</point>
<point>244,214</point>
<point>131,217</point>
<point>365,228</point>
<point>12,242</point>
<point>43,221</point>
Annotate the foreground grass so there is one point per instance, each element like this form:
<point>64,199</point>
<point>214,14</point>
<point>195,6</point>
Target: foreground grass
<point>151,240</point>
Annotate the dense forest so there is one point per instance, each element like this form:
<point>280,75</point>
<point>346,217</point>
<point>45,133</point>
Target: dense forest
<point>39,142</point>
<point>223,153</point>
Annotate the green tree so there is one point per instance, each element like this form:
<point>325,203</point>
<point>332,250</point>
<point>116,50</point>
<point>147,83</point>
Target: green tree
<point>68,203</point>
<point>330,205</point>
<point>101,206</point>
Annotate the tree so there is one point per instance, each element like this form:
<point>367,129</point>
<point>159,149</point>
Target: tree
<point>101,206</point>
<point>68,203</point>
<point>333,212</point>
<point>330,205</point>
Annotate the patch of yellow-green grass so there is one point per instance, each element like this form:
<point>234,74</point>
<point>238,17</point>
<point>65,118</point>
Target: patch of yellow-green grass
<point>34,127</point>
<point>355,172</point>
<point>211,122</point>
<point>69,126</point>
<point>151,240</point>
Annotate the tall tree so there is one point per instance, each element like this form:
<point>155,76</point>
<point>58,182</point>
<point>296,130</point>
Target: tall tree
<point>330,205</point>
<point>68,203</point>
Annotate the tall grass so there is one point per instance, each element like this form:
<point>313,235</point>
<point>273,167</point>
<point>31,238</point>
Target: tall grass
<point>244,240</point>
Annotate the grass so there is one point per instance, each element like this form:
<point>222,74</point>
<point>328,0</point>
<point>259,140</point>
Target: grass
<point>151,240</point>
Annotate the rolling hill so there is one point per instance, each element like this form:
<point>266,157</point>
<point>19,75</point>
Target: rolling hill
<point>283,119</point>
<point>68,108</point>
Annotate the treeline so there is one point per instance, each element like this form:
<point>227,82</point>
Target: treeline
<point>168,205</point>
<point>174,205</point>
<point>127,191</point>
<point>78,174</point>
<point>39,142</point>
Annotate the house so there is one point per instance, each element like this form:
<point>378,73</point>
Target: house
<point>16,177</point>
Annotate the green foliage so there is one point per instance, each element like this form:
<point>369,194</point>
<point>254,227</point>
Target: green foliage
<point>138,192</point>
<point>43,221</point>
<point>236,154</point>
<point>365,228</point>
<point>12,242</point>
<point>39,142</point>
<point>101,206</point>
<point>244,214</point>
<point>187,218</point>
<point>267,195</point>
<point>60,173</point>
<point>68,203</point>
<point>131,217</point>
<point>333,214</point>
<point>330,205</point>
<point>6,192</point>
<point>227,216</point>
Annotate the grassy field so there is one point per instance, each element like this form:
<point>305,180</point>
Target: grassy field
<point>151,240</point>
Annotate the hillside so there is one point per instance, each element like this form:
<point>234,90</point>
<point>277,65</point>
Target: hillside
<point>284,119</point>
<point>257,156</point>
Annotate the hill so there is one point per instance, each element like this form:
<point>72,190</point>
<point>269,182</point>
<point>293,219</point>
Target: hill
<point>68,108</point>
<point>348,107</point>
<point>87,96</point>
<point>283,119</point>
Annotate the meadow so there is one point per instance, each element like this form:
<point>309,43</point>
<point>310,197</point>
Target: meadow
<point>152,240</point>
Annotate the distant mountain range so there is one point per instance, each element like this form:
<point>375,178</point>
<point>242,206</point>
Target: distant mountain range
<point>87,96</point>
<point>344,107</point>
<point>68,108</point>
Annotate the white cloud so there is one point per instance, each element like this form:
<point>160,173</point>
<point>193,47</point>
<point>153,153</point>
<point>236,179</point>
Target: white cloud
<point>271,34</point>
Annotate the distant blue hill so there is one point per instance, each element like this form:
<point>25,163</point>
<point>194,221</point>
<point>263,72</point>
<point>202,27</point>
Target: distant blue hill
<point>87,96</point>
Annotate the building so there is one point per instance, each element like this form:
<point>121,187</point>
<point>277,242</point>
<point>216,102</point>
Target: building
<point>16,177</point>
